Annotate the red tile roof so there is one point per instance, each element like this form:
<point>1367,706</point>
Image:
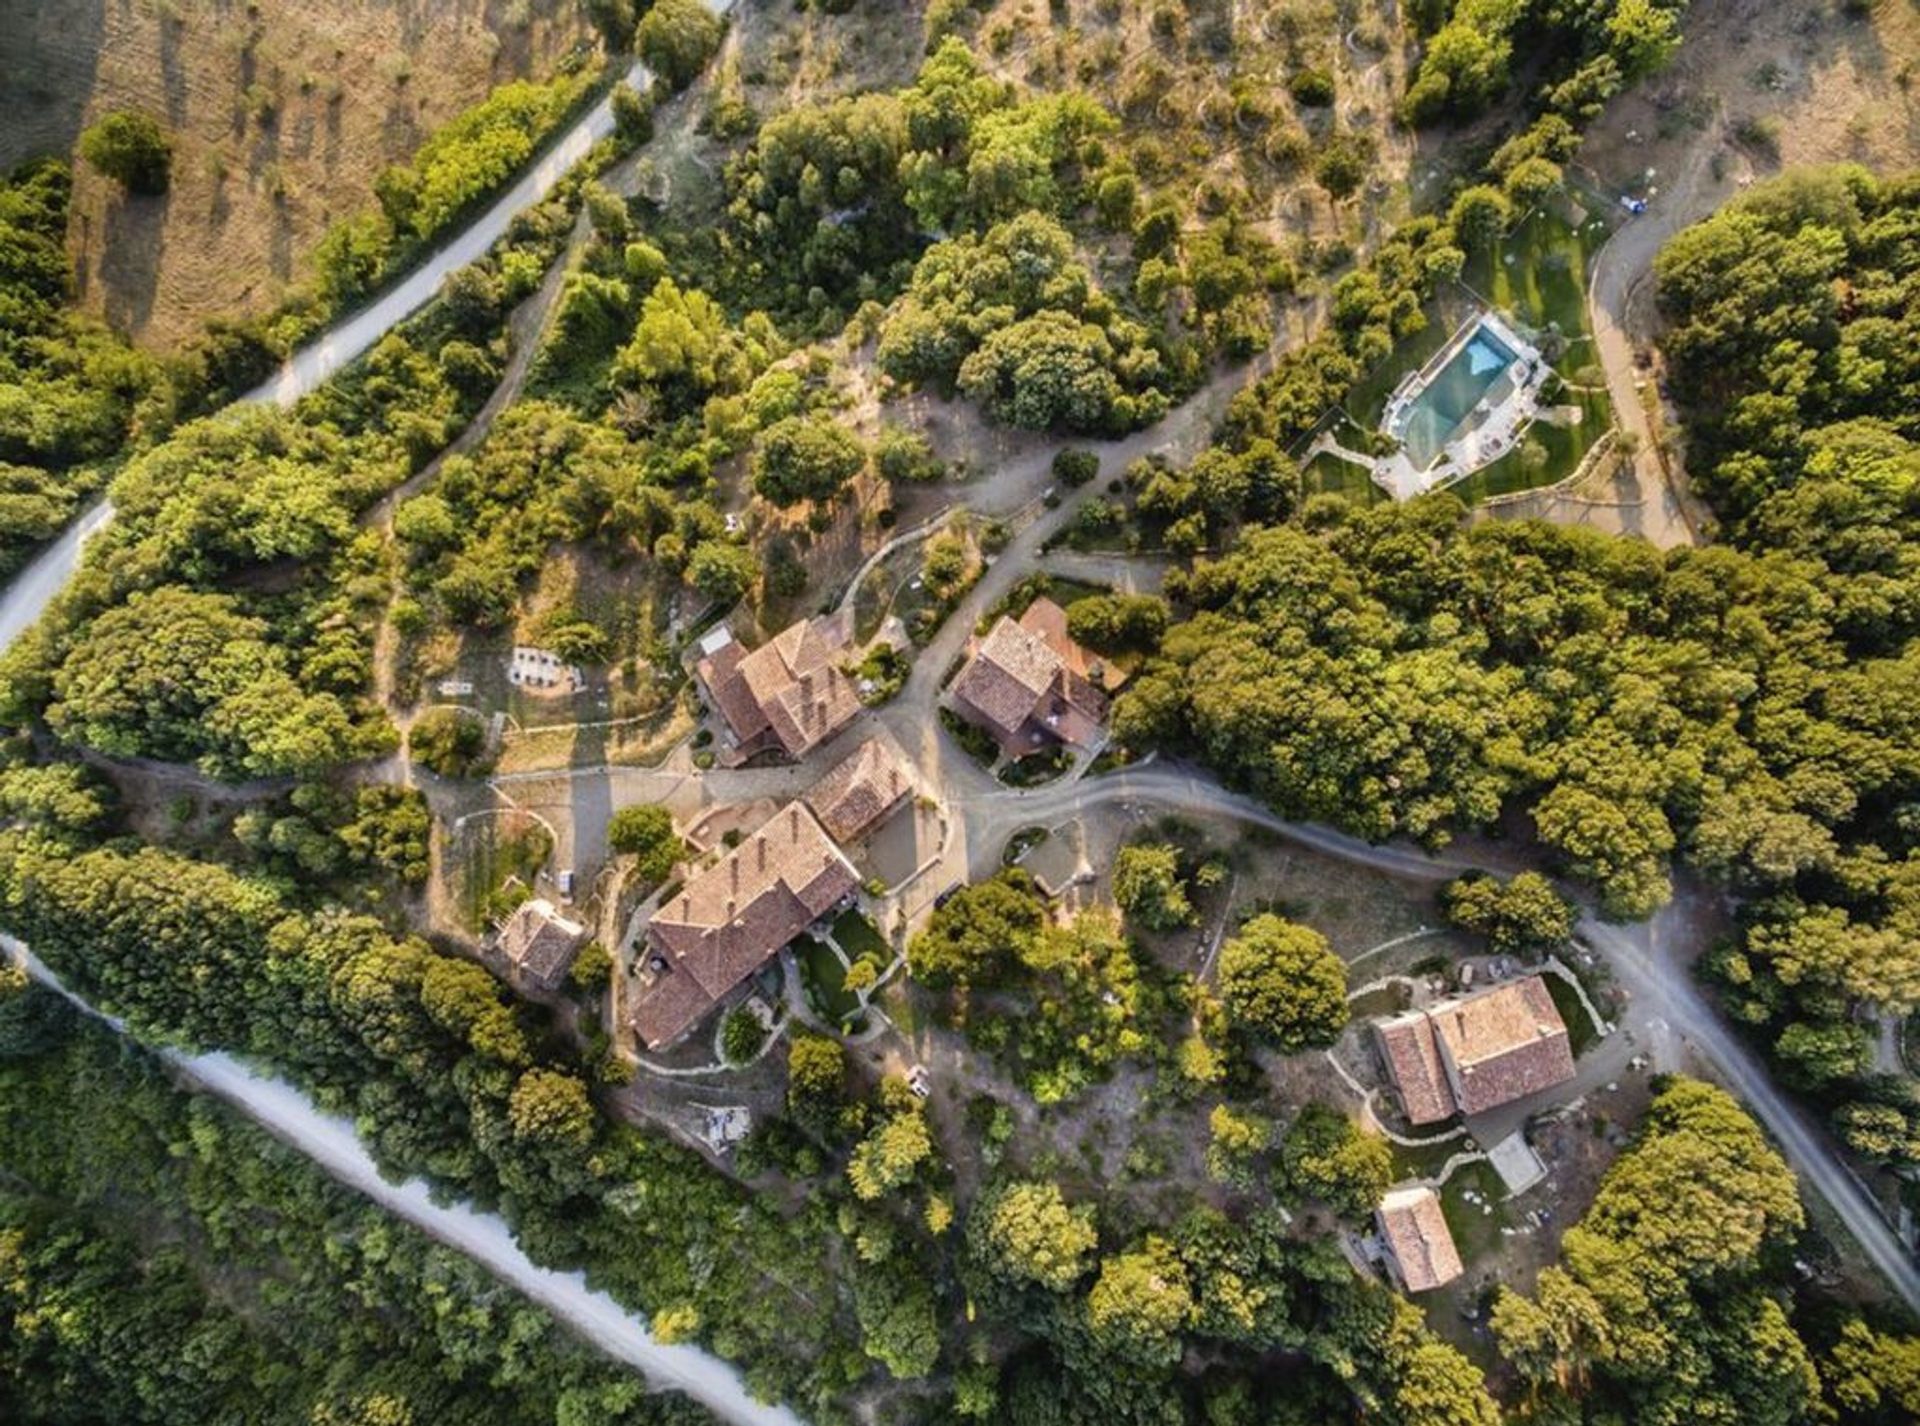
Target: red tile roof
<point>1415,1231</point>
<point>1503,1044</point>
<point>791,688</point>
<point>1028,677</point>
<point>1477,1052</point>
<point>539,943</point>
<point>731,919</point>
<point>859,793</point>
<point>1413,1062</point>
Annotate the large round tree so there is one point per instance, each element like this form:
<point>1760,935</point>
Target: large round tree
<point>1282,983</point>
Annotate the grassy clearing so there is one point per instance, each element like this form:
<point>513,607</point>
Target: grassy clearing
<point>1581,1031</point>
<point>825,980</point>
<point>1329,475</point>
<point>1423,1161</point>
<point>1538,272</point>
<point>859,939</point>
<point>495,859</point>
<point>1475,1226</point>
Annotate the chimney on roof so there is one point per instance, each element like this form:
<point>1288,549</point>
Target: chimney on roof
<point>793,822</point>
<point>731,904</point>
<point>733,872</point>
<point>761,843</point>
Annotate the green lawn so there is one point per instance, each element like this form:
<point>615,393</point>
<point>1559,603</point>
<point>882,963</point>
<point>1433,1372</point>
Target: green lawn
<point>1545,283</point>
<point>1475,1233</point>
<point>1424,1160</point>
<point>1565,447</point>
<point>1581,1031</point>
<point>825,980</point>
<point>859,939</point>
<point>1328,474</point>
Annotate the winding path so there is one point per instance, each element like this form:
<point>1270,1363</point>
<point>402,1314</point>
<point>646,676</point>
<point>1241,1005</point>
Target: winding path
<point>1642,956</point>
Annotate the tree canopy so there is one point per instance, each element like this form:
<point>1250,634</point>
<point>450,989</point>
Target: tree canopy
<point>1283,984</point>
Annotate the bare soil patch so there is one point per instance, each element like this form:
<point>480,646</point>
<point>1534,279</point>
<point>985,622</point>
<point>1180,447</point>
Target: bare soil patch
<point>282,117</point>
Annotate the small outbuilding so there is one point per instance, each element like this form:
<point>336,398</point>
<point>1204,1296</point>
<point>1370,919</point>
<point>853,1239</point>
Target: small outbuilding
<point>539,944</point>
<point>1413,1229</point>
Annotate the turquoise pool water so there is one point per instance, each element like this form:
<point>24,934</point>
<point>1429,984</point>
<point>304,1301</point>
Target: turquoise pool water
<point>1439,411</point>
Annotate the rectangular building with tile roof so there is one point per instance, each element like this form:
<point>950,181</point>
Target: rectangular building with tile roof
<point>1477,1052</point>
<point>540,944</point>
<point>1419,1245</point>
<point>790,693</point>
<point>1027,684</point>
<point>861,792</point>
<point>733,918</point>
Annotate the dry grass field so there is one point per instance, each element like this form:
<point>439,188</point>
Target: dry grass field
<point>282,115</point>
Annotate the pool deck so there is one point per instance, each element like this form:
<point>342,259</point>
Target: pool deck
<point>1474,443</point>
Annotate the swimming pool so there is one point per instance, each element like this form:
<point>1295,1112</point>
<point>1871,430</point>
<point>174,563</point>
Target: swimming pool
<point>1437,413</point>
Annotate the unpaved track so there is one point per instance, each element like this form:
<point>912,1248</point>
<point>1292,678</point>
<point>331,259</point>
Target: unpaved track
<point>331,1142</point>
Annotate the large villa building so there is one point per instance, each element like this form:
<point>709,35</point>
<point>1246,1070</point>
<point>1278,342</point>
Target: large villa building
<point>789,694</point>
<point>731,919</point>
<point>1030,686</point>
<point>1477,1052</point>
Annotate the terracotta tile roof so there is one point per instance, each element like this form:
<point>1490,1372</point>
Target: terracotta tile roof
<point>539,943</point>
<point>1503,1044</point>
<point>1413,1062</point>
<point>1475,1053</point>
<point>1009,674</point>
<point>1049,621</point>
<point>861,791</point>
<point>1415,1232</point>
<point>731,919</point>
<point>791,686</point>
<point>720,672</point>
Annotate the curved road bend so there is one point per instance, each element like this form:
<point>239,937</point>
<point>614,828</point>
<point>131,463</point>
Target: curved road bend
<point>1635,952</point>
<point>331,1142</point>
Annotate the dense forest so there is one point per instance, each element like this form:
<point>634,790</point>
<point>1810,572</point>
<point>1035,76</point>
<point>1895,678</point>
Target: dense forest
<point>163,1260</point>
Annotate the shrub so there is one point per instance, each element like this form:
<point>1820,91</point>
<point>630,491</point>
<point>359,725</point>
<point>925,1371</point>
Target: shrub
<point>742,1035</point>
<point>449,741</point>
<point>1075,467</point>
<point>132,149</point>
<point>1312,87</point>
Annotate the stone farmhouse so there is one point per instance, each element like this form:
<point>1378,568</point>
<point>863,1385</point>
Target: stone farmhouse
<point>539,944</point>
<point>1030,686</point>
<point>789,695</point>
<point>1477,1052</point>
